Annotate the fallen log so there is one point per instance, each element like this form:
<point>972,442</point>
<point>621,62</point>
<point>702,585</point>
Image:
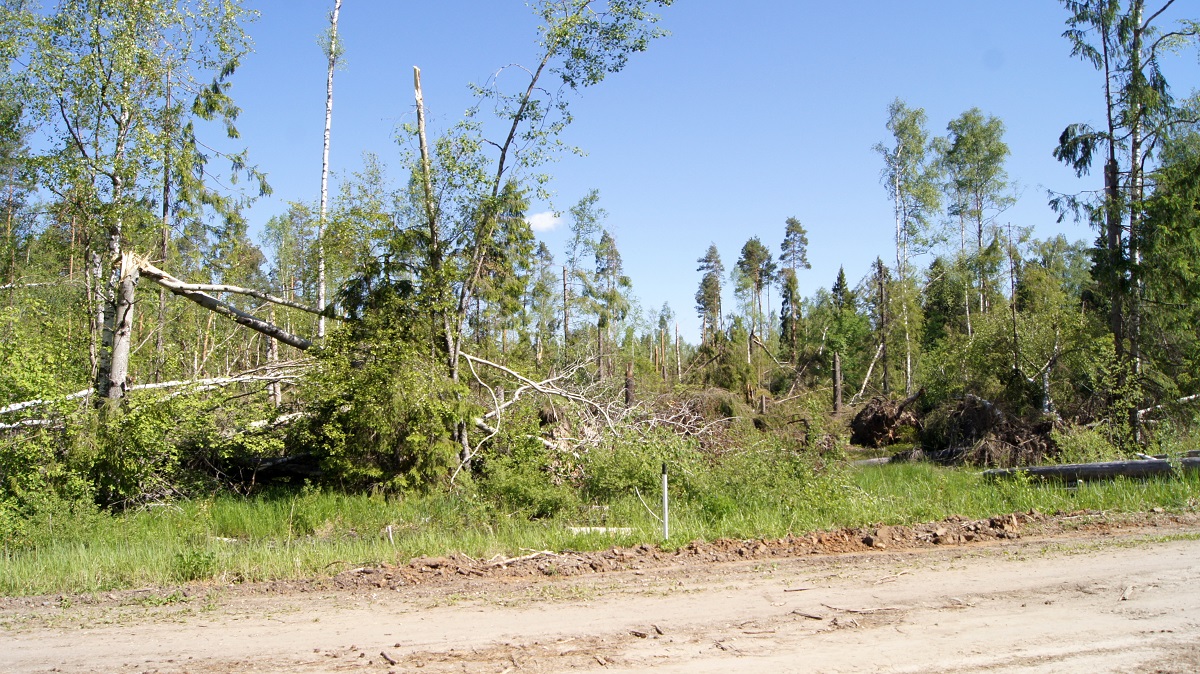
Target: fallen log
<point>1083,472</point>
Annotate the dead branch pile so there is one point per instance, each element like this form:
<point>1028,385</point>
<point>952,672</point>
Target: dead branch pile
<point>700,417</point>
<point>975,431</point>
<point>879,422</point>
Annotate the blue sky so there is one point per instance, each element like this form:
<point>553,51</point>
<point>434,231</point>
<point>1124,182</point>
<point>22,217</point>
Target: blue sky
<point>747,114</point>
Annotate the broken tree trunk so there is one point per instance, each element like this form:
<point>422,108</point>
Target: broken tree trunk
<point>171,283</point>
<point>213,304</point>
<point>867,379</point>
<point>112,380</point>
<point>321,222</point>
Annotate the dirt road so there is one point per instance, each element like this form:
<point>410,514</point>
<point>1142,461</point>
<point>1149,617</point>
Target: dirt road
<point>1123,600</point>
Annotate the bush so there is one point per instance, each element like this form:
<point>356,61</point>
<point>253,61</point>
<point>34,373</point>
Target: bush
<point>383,415</point>
<point>39,492</point>
<point>523,480</point>
<point>1084,445</point>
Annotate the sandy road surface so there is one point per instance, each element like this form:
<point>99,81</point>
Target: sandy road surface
<point>1128,602</point>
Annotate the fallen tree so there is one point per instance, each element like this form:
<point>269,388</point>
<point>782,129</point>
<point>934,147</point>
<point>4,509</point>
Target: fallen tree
<point>1083,472</point>
<point>191,292</point>
<point>879,422</point>
<point>282,372</point>
<point>976,431</point>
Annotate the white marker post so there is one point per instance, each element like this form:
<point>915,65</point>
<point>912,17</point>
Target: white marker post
<point>666,505</point>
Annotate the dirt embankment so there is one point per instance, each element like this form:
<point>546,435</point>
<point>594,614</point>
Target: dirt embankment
<point>1023,592</point>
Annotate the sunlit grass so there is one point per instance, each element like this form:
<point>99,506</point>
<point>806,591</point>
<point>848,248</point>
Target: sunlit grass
<point>306,534</point>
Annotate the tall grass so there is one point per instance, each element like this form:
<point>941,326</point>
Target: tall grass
<point>289,535</point>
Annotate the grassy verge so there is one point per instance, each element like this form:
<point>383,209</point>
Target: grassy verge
<point>298,535</point>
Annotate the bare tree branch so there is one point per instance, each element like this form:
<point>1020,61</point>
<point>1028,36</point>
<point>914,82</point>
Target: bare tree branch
<point>167,281</point>
<point>545,388</point>
<point>215,305</point>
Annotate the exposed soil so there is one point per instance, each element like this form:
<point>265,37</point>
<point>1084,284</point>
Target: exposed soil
<point>1024,592</point>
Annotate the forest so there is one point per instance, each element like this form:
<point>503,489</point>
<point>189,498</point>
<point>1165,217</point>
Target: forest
<point>413,344</point>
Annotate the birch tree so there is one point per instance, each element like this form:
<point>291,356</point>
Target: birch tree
<point>977,189</point>
<point>333,51</point>
<point>910,178</point>
<point>101,79</point>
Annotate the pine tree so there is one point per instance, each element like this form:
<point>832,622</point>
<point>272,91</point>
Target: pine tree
<point>755,270</point>
<point>708,296</point>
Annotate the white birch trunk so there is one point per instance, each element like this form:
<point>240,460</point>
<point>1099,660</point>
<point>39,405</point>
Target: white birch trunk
<point>333,49</point>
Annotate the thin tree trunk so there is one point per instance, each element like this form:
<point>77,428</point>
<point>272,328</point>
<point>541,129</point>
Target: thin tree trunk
<point>431,222</point>
<point>837,382</point>
<point>662,342</point>
<point>164,249</point>
<point>870,368</point>
<point>901,278</point>
<point>1012,287</point>
<point>333,54</point>
<point>908,378</point>
<point>71,257</point>
<point>8,229</point>
<point>599,352</point>
<point>95,301</point>
<point>979,255</point>
<point>678,356</point>
<point>1113,212</point>
<point>883,314</point>
<point>275,389</point>
<point>1135,217</point>
<point>566,310</point>
<point>962,252</point>
<point>1047,402</point>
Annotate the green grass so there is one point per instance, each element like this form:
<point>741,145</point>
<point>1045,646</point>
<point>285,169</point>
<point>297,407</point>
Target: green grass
<point>314,533</point>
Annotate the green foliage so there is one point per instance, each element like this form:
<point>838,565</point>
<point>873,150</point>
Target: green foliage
<point>37,359</point>
<point>190,565</point>
<point>910,176</point>
<point>1084,445</point>
<point>708,296</point>
<point>523,479</point>
<point>383,410</point>
<point>158,449</point>
<point>40,492</point>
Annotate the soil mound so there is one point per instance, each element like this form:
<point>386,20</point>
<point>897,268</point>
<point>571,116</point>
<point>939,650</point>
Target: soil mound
<point>954,530</point>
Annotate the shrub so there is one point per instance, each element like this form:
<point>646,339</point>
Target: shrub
<point>383,415</point>
<point>1083,445</point>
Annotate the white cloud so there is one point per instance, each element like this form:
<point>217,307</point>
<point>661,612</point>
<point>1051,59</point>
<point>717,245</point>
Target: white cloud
<point>544,222</point>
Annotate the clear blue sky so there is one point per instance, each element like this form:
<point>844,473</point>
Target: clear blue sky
<point>748,113</point>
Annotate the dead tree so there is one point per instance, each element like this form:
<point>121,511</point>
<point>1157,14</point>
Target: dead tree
<point>321,224</point>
